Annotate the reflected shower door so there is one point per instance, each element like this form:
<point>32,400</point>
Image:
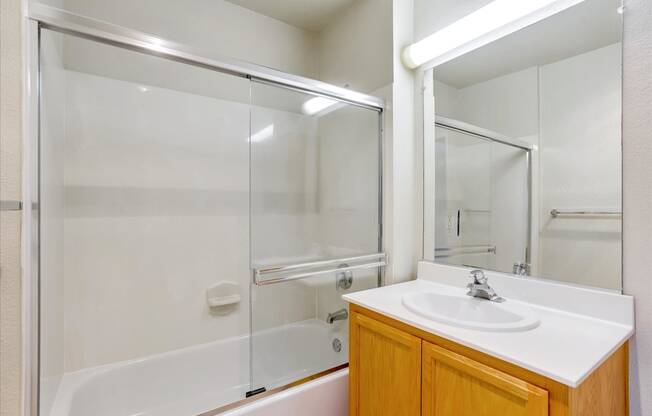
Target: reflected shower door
<point>144,209</point>
<point>463,200</point>
<point>315,180</point>
<point>481,206</point>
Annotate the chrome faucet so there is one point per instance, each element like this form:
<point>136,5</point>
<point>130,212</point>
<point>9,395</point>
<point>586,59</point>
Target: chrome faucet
<point>479,288</point>
<point>521,269</point>
<point>340,315</point>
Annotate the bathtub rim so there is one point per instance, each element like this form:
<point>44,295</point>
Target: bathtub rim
<point>269,393</point>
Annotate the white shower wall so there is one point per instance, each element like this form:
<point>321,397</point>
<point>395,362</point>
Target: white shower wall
<point>156,213</point>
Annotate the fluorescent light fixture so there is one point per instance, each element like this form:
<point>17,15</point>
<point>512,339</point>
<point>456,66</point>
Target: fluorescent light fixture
<point>487,24</point>
<point>262,134</point>
<point>317,104</point>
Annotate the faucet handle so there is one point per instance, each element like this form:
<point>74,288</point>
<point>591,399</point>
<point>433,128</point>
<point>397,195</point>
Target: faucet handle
<point>478,277</point>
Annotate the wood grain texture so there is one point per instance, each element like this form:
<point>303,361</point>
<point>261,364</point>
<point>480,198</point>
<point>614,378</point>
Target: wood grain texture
<point>385,370</point>
<point>562,400</point>
<point>604,393</point>
<point>454,385</point>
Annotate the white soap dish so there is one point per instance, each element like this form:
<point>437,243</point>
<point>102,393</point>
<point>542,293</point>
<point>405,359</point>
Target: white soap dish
<point>222,300</point>
<point>223,294</point>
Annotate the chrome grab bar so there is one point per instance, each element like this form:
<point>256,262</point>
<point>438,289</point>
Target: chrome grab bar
<point>282,273</point>
<point>558,212</point>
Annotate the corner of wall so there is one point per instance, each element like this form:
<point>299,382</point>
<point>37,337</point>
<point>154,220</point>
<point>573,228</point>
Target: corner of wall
<point>403,190</point>
<point>637,194</point>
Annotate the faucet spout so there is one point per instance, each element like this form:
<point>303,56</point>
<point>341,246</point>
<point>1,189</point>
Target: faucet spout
<point>480,288</point>
<point>339,315</point>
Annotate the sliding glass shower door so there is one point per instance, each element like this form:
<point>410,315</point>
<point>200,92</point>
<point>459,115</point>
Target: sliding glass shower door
<point>463,204</point>
<point>482,201</point>
<point>315,183</point>
<point>144,231</point>
<point>197,230</point>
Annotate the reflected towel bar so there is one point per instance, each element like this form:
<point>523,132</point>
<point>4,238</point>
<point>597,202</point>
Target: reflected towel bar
<point>557,213</point>
<point>278,274</point>
<point>458,251</point>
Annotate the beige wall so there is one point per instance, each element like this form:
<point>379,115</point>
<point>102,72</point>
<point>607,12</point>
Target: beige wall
<point>356,48</point>
<point>637,196</point>
<point>10,222</point>
<point>214,27</point>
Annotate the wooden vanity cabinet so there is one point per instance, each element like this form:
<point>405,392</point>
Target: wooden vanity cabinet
<point>385,367</point>
<point>396,369</point>
<point>456,385</point>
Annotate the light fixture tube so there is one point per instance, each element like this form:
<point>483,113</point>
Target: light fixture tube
<point>487,24</point>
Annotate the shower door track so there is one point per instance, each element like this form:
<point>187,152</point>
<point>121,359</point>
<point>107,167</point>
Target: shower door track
<point>470,129</point>
<point>69,23</point>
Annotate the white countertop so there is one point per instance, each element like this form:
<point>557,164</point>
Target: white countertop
<point>565,347</point>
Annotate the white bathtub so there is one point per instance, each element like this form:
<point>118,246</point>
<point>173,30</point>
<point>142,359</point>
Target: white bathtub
<point>325,396</point>
<point>198,379</point>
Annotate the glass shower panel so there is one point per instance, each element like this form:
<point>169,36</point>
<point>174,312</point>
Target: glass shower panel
<point>315,177</point>
<point>481,205</point>
<point>145,221</point>
<point>463,212</point>
<point>510,206</point>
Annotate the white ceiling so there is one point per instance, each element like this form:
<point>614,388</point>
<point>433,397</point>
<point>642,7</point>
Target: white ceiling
<point>312,15</point>
<point>587,26</point>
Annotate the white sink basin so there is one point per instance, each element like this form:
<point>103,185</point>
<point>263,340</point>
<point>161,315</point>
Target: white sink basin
<point>473,313</point>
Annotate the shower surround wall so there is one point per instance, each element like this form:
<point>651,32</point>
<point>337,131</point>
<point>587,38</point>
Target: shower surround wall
<point>156,202</point>
<point>551,106</point>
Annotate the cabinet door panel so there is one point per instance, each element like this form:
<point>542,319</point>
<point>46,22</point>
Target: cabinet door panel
<point>385,370</point>
<point>454,385</point>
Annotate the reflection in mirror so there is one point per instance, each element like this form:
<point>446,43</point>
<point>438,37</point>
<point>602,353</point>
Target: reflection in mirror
<point>524,171</point>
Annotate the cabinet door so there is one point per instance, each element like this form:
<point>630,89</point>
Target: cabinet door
<point>454,385</point>
<point>385,370</point>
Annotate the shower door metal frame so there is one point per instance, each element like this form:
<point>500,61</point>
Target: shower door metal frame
<point>69,23</point>
<point>487,135</point>
<point>45,17</point>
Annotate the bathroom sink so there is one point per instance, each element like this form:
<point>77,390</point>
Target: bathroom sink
<point>473,313</point>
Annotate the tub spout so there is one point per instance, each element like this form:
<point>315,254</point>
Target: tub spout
<point>340,315</point>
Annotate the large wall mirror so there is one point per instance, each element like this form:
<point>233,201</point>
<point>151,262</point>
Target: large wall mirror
<point>523,151</point>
